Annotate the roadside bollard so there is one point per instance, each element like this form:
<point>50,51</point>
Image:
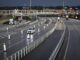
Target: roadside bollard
<point>28,42</point>
<point>28,39</point>
<point>21,54</point>
<point>38,30</point>
<point>11,58</point>
<point>18,56</point>
<point>31,38</point>
<point>47,25</point>
<point>9,41</point>
<point>9,36</point>
<point>34,26</point>
<point>44,27</point>
<point>7,28</point>
<point>4,47</point>
<point>15,56</point>
<point>5,56</point>
<point>26,50</point>
<point>22,32</point>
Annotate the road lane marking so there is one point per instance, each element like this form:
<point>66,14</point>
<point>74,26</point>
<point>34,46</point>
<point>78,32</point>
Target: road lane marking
<point>67,47</point>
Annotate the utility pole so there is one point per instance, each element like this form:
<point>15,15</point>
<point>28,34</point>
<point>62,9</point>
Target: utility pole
<point>30,4</point>
<point>63,7</point>
<point>63,4</point>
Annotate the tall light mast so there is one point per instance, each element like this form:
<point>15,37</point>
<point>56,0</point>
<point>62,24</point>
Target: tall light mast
<point>63,7</point>
<point>30,4</point>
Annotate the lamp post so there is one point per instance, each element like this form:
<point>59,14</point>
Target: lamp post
<point>63,3</point>
<point>63,7</point>
<point>30,4</point>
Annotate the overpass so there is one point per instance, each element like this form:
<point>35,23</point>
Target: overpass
<point>32,12</point>
<point>36,13</point>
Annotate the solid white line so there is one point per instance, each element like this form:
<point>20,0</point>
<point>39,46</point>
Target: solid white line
<point>67,47</point>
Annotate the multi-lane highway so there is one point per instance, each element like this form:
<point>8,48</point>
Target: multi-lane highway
<point>44,50</point>
<point>18,40</point>
<point>73,45</point>
<point>69,49</point>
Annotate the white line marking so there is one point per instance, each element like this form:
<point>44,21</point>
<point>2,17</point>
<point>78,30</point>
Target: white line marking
<point>67,47</point>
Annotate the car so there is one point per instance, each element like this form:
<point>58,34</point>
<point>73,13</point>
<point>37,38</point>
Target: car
<point>31,30</point>
<point>67,17</point>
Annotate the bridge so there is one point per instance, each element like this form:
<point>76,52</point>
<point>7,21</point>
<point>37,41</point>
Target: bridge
<point>53,39</point>
<point>36,13</point>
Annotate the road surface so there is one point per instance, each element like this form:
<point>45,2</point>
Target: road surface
<point>73,50</point>
<point>70,49</point>
<point>18,41</point>
<point>44,50</point>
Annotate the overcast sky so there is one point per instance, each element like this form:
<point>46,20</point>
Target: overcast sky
<point>39,2</point>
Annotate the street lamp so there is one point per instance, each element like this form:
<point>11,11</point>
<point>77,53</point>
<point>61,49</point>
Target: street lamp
<point>63,7</point>
<point>30,4</point>
<point>63,3</point>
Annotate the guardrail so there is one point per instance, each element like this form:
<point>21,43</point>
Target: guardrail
<point>55,52</point>
<point>19,54</point>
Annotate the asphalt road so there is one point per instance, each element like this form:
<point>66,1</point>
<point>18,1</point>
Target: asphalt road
<point>70,49</point>
<point>18,41</point>
<point>44,50</point>
<point>73,49</point>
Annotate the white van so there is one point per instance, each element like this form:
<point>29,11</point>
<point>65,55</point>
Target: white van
<point>31,30</point>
